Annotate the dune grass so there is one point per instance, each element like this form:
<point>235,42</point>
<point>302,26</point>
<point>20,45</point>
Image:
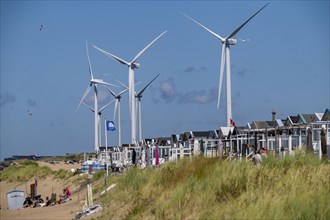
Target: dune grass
<point>206,188</point>
<point>26,169</point>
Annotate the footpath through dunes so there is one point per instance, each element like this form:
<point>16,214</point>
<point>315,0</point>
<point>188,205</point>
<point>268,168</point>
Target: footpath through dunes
<point>54,182</point>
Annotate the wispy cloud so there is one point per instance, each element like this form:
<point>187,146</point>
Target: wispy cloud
<point>6,99</point>
<point>167,90</point>
<point>104,97</point>
<point>31,103</point>
<point>243,72</point>
<point>192,69</point>
<point>199,97</point>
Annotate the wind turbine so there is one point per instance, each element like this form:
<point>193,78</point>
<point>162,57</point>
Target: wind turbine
<point>131,66</point>
<point>117,104</point>
<point>99,114</point>
<point>225,57</point>
<point>139,96</point>
<point>93,83</point>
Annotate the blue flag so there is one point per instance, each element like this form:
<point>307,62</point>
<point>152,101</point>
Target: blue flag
<point>111,126</point>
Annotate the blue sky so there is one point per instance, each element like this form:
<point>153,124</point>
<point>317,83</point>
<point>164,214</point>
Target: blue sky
<point>284,66</point>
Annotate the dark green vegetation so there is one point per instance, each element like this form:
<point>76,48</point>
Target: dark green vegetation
<point>206,188</point>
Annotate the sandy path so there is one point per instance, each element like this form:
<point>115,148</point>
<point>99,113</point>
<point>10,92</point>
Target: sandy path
<point>45,187</point>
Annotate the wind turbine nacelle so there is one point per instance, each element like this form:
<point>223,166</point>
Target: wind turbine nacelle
<point>232,41</point>
<point>97,81</point>
<point>136,65</point>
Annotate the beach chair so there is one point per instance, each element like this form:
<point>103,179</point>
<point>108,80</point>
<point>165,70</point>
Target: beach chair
<point>53,199</point>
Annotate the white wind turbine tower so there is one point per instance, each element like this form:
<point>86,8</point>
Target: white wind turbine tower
<point>139,96</point>
<point>117,104</point>
<point>225,57</point>
<point>131,66</point>
<point>99,114</point>
<point>93,83</point>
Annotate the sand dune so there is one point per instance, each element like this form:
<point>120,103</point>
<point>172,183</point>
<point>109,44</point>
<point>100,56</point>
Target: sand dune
<point>46,186</point>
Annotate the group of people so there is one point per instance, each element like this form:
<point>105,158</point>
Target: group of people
<point>38,201</point>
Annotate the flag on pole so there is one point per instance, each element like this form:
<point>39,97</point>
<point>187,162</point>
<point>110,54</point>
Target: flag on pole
<point>232,123</point>
<point>110,126</point>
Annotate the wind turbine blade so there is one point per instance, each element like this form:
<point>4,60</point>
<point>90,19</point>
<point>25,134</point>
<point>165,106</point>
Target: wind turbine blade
<point>242,25</point>
<point>105,83</point>
<point>84,96</point>
<point>122,92</point>
<point>213,33</point>
<point>222,65</point>
<point>82,102</point>
<point>118,59</point>
<point>101,109</point>
<point>125,86</point>
<point>141,92</point>
<point>115,110</point>
<point>89,62</point>
<point>122,84</point>
<point>144,49</point>
<point>112,93</point>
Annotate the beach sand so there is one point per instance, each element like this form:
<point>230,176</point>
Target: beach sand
<point>45,188</point>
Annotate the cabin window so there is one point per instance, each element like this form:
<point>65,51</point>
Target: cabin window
<point>316,135</point>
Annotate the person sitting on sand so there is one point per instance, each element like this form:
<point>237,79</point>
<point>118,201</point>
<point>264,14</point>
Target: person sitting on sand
<point>28,202</point>
<point>67,193</point>
<point>61,200</point>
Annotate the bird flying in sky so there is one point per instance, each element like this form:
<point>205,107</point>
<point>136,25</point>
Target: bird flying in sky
<point>41,27</point>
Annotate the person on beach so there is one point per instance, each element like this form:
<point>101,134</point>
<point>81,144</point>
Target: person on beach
<point>67,192</point>
<point>257,159</point>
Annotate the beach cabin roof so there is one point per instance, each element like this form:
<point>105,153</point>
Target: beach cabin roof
<point>271,124</point>
<point>224,131</point>
<point>290,120</point>
<point>175,138</point>
<point>306,118</point>
<point>163,141</point>
<point>259,125</point>
<point>319,116</point>
<point>326,115</point>
<point>213,134</point>
<point>200,134</point>
<point>279,123</point>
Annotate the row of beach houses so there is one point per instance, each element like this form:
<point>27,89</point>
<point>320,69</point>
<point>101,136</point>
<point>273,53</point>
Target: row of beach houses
<point>277,136</point>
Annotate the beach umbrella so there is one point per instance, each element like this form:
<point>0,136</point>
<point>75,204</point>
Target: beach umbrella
<point>309,141</point>
<point>157,155</point>
<point>323,143</point>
